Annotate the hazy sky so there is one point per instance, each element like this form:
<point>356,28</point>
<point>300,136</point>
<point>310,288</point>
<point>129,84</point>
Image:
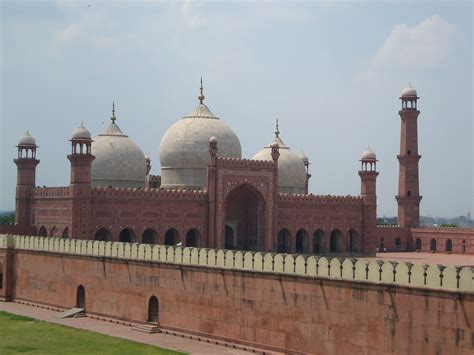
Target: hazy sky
<point>331,71</point>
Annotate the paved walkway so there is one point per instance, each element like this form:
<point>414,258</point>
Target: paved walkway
<point>158,339</point>
<point>428,258</point>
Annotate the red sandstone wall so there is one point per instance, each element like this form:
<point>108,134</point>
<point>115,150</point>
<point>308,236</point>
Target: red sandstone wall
<point>462,238</point>
<point>286,312</point>
<point>17,229</point>
<point>386,237</point>
<point>324,215</point>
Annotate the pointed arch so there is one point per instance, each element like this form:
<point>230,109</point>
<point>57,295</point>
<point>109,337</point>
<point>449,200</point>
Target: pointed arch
<point>65,233</point>
<point>54,232</point>
<point>172,237</point>
<point>153,309</point>
<point>284,241</point>
<point>417,244</point>
<point>192,238</point>
<point>42,232</point>
<point>335,241</point>
<point>433,244</point>
<point>149,236</point>
<point>449,245</point>
<point>244,212</point>
<point>103,234</point>
<point>353,239</point>
<point>301,241</point>
<point>126,235</point>
<point>81,297</point>
<point>229,242</point>
<point>319,242</point>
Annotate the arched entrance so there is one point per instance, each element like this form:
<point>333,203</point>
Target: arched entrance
<point>149,236</point>
<point>192,238</point>
<point>449,245</point>
<point>433,245</point>
<point>319,242</point>
<point>81,297</point>
<point>172,237</point>
<point>229,238</point>
<point>418,244</point>
<point>126,236</point>
<point>301,241</point>
<point>283,241</point>
<point>335,241</point>
<point>103,234</point>
<point>353,241</point>
<point>66,232</point>
<point>42,232</point>
<point>245,209</point>
<point>153,308</point>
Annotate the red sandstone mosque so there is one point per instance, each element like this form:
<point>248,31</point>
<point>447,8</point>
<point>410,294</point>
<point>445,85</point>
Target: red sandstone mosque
<point>209,196</point>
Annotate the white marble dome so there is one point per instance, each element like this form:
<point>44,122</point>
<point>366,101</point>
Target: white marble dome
<point>368,154</point>
<point>409,91</point>
<point>118,162</point>
<point>291,169</point>
<point>81,132</point>
<point>27,140</point>
<point>184,148</point>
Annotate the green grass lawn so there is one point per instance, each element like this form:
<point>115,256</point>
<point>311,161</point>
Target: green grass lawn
<point>20,334</point>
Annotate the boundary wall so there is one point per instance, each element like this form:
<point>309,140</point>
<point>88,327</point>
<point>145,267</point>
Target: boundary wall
<point>438,277</point>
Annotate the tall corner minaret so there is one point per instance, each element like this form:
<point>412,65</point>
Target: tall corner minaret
<point>408,197</point>
<point>26,163</point>
<point>81,159</point>
<point>368,190</point>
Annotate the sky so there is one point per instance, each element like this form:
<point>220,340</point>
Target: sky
<point>331,71</point>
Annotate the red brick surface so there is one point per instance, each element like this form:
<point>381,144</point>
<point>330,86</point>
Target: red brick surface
<point>287,312</point>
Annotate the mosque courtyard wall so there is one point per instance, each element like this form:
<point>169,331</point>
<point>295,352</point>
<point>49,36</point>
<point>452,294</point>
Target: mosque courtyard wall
<point>283,302</point>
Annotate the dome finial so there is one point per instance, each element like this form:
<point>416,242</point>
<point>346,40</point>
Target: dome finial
<point>201,97</point>
<point>277,130</point>
<point>113,118</point>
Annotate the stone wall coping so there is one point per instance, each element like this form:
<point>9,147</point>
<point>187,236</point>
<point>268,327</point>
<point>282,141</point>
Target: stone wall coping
<point>150,193</point>
<point>248,163</point>
<point>444,229</point>
<point>63,191</point>
<point>285,197</point>
<point>460,279</point>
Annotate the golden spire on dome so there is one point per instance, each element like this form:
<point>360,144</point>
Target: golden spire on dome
<point>113,118</point>
<point>201,97</point>
<point>277,130</point>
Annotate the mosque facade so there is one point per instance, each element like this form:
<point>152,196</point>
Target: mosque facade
<point>208,195</point>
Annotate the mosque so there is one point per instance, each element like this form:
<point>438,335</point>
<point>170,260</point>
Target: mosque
<point>209,196</point>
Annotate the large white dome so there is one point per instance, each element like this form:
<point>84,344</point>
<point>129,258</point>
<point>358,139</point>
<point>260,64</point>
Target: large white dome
<point>119,162</point>
<point>291,169</point>
<point>184,148</point>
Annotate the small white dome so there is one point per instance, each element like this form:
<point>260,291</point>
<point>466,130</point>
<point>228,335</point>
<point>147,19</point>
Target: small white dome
<point>368,154</point>
<point>27,140</point>
<point>81,132</point>
<point>291,169</point>
<point>119,162</point>
<point>409,91</point>
<point>184,148</point>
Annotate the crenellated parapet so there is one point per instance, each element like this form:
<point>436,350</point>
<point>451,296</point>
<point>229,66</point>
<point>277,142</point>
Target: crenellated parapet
<point>320,199</point>
<point>362,270</point>
<point>52,192</point>
<point>149,193</point>
<point>244,163</point>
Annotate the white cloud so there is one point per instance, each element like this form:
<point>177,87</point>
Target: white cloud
<point>191,14</point>
<point>424,46</point>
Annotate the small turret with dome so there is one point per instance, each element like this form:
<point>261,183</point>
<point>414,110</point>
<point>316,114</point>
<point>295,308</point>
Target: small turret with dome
<point>27,146</point>
<point>368,160</point>
<point>292,176</point>
<point>184,148</point>
<point>409,97</point>
<point>119,162</point>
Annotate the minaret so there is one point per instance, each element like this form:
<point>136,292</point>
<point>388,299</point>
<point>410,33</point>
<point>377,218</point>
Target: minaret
<point>26,163</point>
<point>368,190</point>
<point>306,163</point>
<point>408,197</point>
<point>80,188</point>
<point>81,157</point>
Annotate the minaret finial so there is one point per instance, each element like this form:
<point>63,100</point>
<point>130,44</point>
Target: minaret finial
<point>277,130</point>
<point>201,97</point>
<point>113,118</point>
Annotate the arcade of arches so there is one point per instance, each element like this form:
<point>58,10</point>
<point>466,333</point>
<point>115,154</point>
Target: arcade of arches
<point>244,219</point>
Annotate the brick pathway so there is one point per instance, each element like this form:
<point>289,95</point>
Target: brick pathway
<point>162,340</point>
